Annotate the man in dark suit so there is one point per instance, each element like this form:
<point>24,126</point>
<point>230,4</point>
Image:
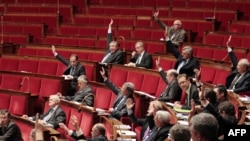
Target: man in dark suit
<point>9,131</point>
<point>73,71</point>
<point>239,79</point>
<point>140,58</point>
<point>97,134</point>
<point>162,126</point>
<point>147,123</point>
<point>172,91</point>
<point>123,94</point>
<point>84,95</point>
<point>185,62</point>
<point>176,33</point>
<point>53,116</point>
<point>113,54</point>
<point>189,92</point>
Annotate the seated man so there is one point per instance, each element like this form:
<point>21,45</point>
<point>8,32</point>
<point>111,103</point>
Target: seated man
<point>9,131</point>
<point>140,58</point>
<point>239,79</point>
<point>162,126</point>
<point>175,33</point>
<point>113,53</point>
<point>148,122</point>
<point>84,95</point>
<point>189,92</point>
<point>185,62</point>
<point>73,71</point>
<point>172,92</point>
<point>125,93</point>
<point>53,116</point>
<point>97,134</point>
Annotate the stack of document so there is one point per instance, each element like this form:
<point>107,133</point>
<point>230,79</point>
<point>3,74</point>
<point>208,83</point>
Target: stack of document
<point>126,133</point>
<point>122,127</point>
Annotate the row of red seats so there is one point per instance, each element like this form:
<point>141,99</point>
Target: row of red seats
<point>16,102</point>
<point>16,38</point>
<point>220,38</point>
<point>242,27</point>
<point>72,2</point>
<point>36,66</point>
<point>37,30</point>
<point>52,20</point>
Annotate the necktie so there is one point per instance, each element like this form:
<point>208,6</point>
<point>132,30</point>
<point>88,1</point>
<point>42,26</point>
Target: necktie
<point>183,97</point>
<point>138,59</point>
<point>183,62</point>
<point>151,135</point>
<point>72,71</point>
<point>164,93</point>
<point>106,57</point>
<point>121,99</point>
<point>234,82</point>
<point>146,133</point>
<point>48,116</point>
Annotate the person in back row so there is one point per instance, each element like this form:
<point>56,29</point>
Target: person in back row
<point>172,91</point>
<point>85,93</point>
<point>175,33</point>
<point>238,80</point>
<point>73,71</point>
<point>140,58</point>
<point>185,62</point>
<point>123,94</point>
<point>113,54</point>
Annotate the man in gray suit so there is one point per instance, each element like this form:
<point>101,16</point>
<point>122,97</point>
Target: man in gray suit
<point>172,91</point>
<point>9,131</point>
<point>84,95</point>
<point>113,54</point>
<point>53,116</point>
<point>73,70</point>
<point>176,33</point>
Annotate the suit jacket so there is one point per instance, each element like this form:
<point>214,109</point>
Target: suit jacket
<point>143,122</point>
<point>160,134</point>
<point>117,57</point>
<point>58,116</point>
<point>79,70</point>
<point>80,136</point>
<point>80,95</point>
<point>188,68</point>
<point>121,109</point>
<point>179,36</point>
<point>172,92</point>
<point>193,94</point>
<point>146,60</point>
<point>243,83</point>
<point>10,132</point>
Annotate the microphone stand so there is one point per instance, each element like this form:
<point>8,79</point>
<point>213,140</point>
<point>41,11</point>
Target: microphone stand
<point>82,103</point>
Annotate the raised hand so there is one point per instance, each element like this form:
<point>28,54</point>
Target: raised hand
<point>111,22</point>
<point>229,40</point>
<point>53,49</point>
<point>156,14</point>
<point>74,122</point>
<point>102,72</point>
<point>130,104</point>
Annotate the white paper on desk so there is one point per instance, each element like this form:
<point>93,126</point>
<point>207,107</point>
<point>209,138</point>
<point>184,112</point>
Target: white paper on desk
<point>126,133</point>
<point>170,104</point>
<point>122,139</point>
<point>123,127</point>
<point>181,116</point>
<point>146,94</point>
<point>245,99</point>
<point>183,122</point>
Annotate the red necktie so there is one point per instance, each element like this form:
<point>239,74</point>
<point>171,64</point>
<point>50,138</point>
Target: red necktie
<point>183,97</point>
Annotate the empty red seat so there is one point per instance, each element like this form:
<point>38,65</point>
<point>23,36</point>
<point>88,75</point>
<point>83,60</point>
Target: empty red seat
<point>31,84</point>
<point>118,76</point>
<point>27,51</point>
<point>4,100</point>
<point>44,52</point>
<point>11,82</point>
<point>205,53</point>
<point>28,65</point>
<point>96,56</point>
<point>152,81</point>
<point>220,77</point>
<point>18,105</point>
<point>52,69</point>
<point>102,93</point>
<point>207,74</point>
<point>136,78</point>
<point>10,64</point>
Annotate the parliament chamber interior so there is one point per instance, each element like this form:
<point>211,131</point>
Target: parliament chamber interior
<point>30,73</point>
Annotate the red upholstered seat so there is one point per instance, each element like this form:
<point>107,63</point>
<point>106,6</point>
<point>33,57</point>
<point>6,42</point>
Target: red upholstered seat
<point>28,65</point>
<point>11,82</point>
<point>27,51</point>
<point>4,101</point>
<point>86,123</point>
<point>18,105</point>
<point>136,78</point>
<point>44,52</point>
<point>32,85</point>
<point>96,56</point>
<point>207,74</point>
<point>25,129</point>
<point>161,87</point>
<point>100,94</point>
<point>118,76</point>
<point>150,83</point>
<point>52,69</point>
<point>10,64</point>
<point>220,77</point>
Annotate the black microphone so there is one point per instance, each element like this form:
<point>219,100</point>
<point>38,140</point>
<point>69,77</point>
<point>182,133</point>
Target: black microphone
<point>82,103</point>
